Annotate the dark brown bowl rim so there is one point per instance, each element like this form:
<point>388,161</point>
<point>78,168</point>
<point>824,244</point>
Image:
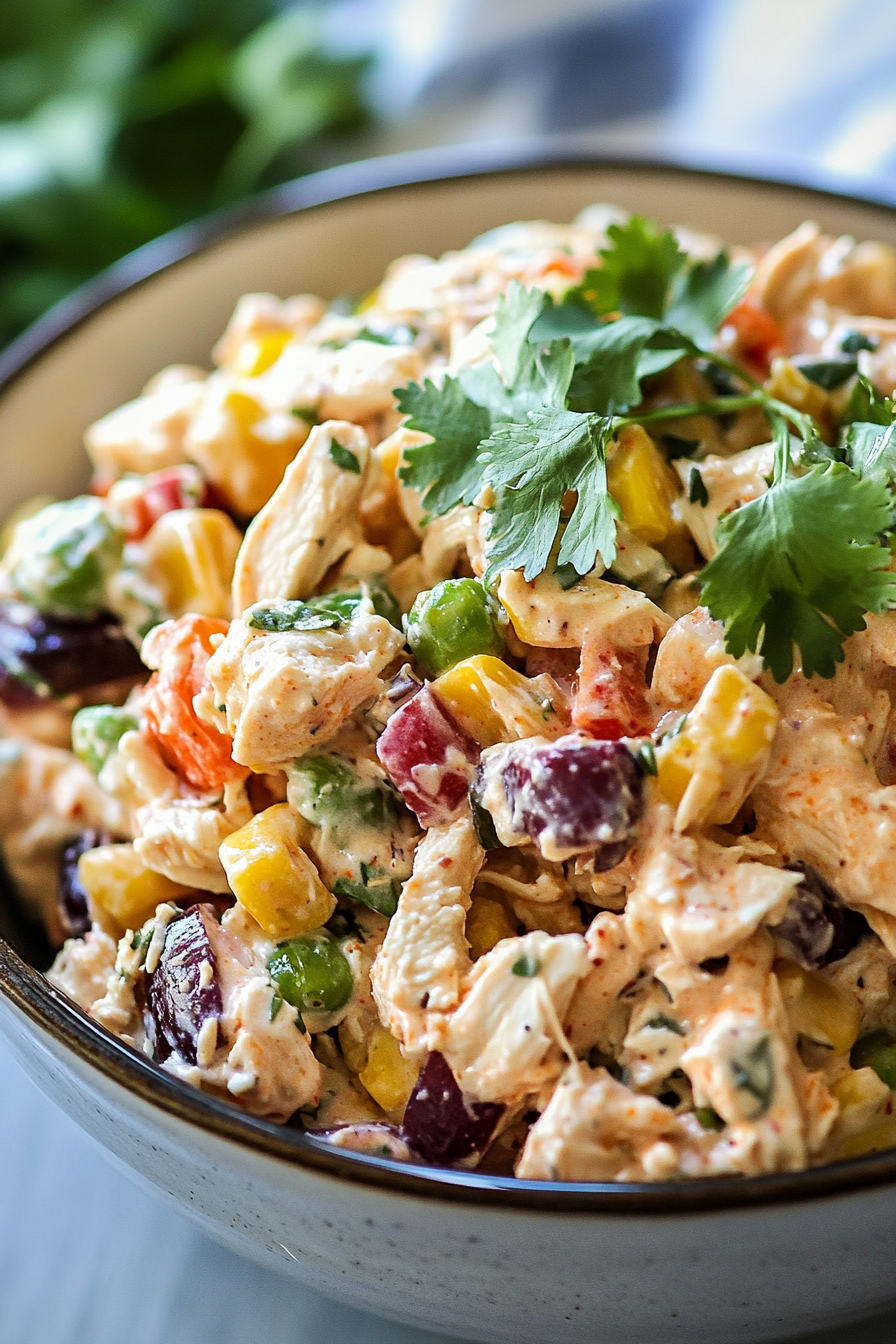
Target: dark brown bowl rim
<point>49,1009</point>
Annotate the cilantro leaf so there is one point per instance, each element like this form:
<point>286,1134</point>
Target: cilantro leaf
<point>867,404</point>
<point>802,564</point>
<point>571,318</point>
<point>516,312</point>
<point>637,270</point>
<point>815,452</point>
<point>611,357</point>
<point>446,471</point>
<point>459,415</point>
<point>826,373</point>
<point>544,380</point>
<point>664,349</point>
<point>606,381</point>
<point>703,294</point>
<point>871,450</point>
<point>531,467</point>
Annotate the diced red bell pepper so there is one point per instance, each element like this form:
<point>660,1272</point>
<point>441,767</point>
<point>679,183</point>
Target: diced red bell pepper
<point>759,336</point>
<point>182,487</point>
<point>611,699</point>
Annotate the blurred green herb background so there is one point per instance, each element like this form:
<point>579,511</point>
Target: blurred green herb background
<point>120,119</point>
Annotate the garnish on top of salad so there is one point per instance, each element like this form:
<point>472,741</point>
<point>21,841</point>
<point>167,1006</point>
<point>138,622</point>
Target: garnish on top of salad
<point>463,723</point>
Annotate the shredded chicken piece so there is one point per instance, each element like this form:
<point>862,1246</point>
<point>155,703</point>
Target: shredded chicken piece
<point>593,1018</point>
<point>596,1129</point>
<point>729,482</point>
<point>700,897</point>
<point>687,657</point>
<point>809,266</point>
<point>547,615</point>
<point>148,433</point>
<point>270,1067</point>
<point>47,799</point>
<point>180,837</point>
<point>741,1059</point>
<point>820,800</point>
<point>506,1040</point>
<point>309,521</point>
<point>418,976</point>
<point>283,694</point>
<point>83,966</point>
<point>260,315</point>
<point>354,382</point>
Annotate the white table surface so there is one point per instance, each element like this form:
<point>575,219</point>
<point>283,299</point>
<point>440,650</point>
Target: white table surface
<point>87,1258</point>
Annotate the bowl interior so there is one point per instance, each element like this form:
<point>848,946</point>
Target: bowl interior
<point>174,313</point>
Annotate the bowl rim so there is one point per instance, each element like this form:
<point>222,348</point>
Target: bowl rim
<point>49,1009</point>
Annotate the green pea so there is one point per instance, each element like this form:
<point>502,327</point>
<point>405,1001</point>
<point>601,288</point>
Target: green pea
<point>312,973</point>
<point>876,1050</point>
<point>96,732</point>
<point>455,620</point>
<point>64,555</point>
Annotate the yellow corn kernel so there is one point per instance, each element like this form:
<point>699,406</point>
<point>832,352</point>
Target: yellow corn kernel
<point>390,456</point>
<point>819,1009</point>
<point>643,485</point>
<point>242,449</point>
<point>258,353</point>
<point>495,702</point>
<point>867,1119</point>
<point>860,1087</point>
<point>246,410</point>
<point>193,553</point>
<point>708,768</point>
<point>118,882</point>
<point>272,877</point>
<point>464,693</point>
<point>789,385</point>
<point>387,1075</point>
<point>487,923</point>
<point>876,1137</point>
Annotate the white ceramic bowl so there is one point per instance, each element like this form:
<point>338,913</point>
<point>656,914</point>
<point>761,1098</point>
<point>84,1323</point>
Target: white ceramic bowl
<point>486,1258</point>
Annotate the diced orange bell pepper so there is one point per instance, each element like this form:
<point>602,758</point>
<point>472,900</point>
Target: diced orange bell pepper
<point>196,750</point>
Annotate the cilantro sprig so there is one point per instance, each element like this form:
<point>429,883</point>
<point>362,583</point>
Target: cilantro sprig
<point>802,564</point>
<point>528,435</point>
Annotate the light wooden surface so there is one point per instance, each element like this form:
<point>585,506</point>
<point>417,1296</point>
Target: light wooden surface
<point>87,1258</point>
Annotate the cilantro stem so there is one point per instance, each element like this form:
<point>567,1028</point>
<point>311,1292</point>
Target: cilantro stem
<point>717,406</point>
<point>778,414</point>
<point>804,423</point>
<point>729,365</point>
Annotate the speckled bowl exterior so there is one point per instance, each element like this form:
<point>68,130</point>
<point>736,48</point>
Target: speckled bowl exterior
<point>481,1257</point>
